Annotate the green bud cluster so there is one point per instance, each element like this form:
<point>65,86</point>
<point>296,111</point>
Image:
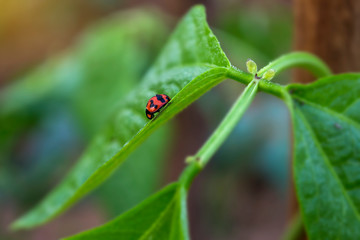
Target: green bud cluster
<point>252,68</point>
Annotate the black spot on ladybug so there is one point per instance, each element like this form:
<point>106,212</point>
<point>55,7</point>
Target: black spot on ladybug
<point>160,98</point>
<point>152,105</point>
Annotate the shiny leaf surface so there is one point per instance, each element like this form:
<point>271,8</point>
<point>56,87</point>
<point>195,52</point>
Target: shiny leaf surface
<point>326,120</point>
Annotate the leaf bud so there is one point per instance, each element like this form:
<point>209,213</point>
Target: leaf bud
<point>269,74</point>
<point>251,66</point>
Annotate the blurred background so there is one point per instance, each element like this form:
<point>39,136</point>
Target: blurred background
<point>65,64</point>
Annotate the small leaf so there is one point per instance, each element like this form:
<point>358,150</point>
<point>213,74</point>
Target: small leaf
<point>191,63</point>
<point>326,120</point>
<point>161,217</point>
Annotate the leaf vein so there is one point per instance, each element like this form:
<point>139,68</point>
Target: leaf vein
<point>330,111</point>
<point>161,215</point>
<point>328,163</point>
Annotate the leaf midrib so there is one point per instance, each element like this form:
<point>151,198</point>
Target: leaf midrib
<point>327,162</point>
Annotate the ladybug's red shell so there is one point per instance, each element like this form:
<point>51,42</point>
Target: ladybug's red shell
<point>155,104</point>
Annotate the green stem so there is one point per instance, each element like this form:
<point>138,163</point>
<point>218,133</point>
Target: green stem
<point>240,76</point>
<point>291,60</point>
<point>189,174</point>
<point>266,86</point>
<point>298,59</point>
<point>295,229</point>
<point>214,142</point>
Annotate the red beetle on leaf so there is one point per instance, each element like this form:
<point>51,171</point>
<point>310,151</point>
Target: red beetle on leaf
<point>155,104</point>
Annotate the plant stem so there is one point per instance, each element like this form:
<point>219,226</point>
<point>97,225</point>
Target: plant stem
<point>295,229</point>
<point>295,59</point>
<point>298,59</point>
<point>214,142</point>
<point>264,85</point>
<point>240,76</point>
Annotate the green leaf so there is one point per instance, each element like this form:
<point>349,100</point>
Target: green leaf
<point>161,216</point>
<point>190,64</point>
<point>326,121</point>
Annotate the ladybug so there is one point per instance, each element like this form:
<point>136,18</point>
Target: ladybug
<point>155,104</point>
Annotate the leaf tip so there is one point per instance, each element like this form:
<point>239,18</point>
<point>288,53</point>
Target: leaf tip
<point>26,221</point>
<point>198,7</point>
<point>16,225</point>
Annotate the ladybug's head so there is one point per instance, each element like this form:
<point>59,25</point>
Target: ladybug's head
<point>149,115</point>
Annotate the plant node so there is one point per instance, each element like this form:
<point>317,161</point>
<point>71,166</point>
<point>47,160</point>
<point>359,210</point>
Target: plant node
<point>191,159</point>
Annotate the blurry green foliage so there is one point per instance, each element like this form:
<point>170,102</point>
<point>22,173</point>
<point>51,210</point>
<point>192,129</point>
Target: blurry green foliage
<point>47,115</point>
<point>261,32</point>
<point>93,75</point>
